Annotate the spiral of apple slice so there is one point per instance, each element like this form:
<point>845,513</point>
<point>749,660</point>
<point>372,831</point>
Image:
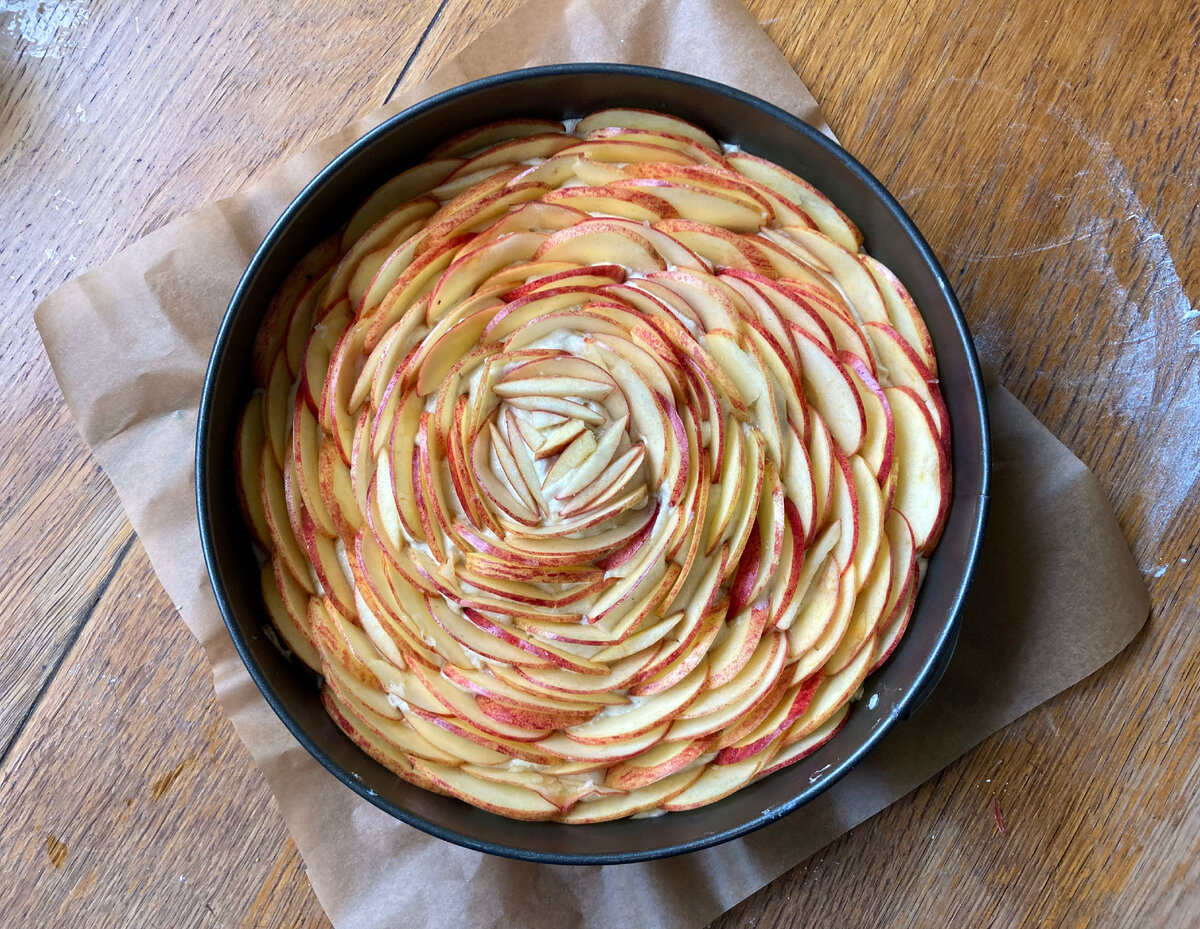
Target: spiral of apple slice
<point>594,468</point>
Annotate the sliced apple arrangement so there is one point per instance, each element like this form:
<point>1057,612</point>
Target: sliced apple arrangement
<point>594,467</point>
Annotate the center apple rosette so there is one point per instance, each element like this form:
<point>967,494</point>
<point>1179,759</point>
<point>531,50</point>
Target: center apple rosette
<point>593,466</point>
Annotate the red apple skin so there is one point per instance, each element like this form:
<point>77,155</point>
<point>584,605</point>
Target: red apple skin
<point>513,715</point>
<point>733,754</point>
<point>753,716</point>
<point>630,777</point>
<point>923,420</point>
<point>889,442</point>
<point>746,576</point>
<point>796,565</point>
<point>615,272</point>
<point>773,767</point>
<point>760,613</point>
<point>629,550</point>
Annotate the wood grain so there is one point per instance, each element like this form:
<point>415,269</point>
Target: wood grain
<point>108,129</point>
<point>1047,153</point>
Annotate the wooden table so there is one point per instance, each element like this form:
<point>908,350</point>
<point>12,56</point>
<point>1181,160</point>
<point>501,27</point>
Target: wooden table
<point>1050,156</point>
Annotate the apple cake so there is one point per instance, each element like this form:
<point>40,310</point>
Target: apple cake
<point>593,466</point>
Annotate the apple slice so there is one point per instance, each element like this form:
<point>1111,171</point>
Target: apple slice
<point>249,447</point>
<point>566,484</point>
<point>725,208</point>
<point>505,799</point>
<point>625,151</point>
<point>337,490</point>
<point>543,651</point>
<point>469,744</point>
<point>791,560</point>
<point>870,512</point>
<point>609,752</point>
<point>720,247</point>
<point>294,631</point>
<point>889,637</point>
<point>905,582</point>
<point>613,480</point>
<point>761,479</point>
<point>833,694</point>
<point>564,683</point>
<point>641,635</point>
<point>869,608</point>
<point>514,151</point>
<point>730,488</point>
<point>716,708</point>
<point>782,362</point>
<point>479,137</point>
<point>828,218</point>
<point>390,742</point>
<point>640,206</point>
<point>277,324</point>
<point>580,449</point>
<point>637,800</point>
<point>822,462</point>
<point>642,715</point>
<point>735,648</point>
<point>600,241</point>
<point>328,561</point>
<point>284,537</point>
<point>474,266</point>
<point>804,746</point>
<point>379,271</point>
<point>465,707</point>
<point>670,249</point>
<point>832,393</point>
<point>412,285</point>
<point>799,482</point>
<point>554,387</point>
<point>769,731</point>
<point>813,659</point>
<point>480,640</point>
<point>905,369</point>
<point>879,441</point>
<point>372,248</point>
<point>689,641</point>
<point>485,684</point>
<point>922,466</point>
<point>306,452</point>
<point>662,761</point>
<point>629,118</point>
<point>792,309</point>
<point>851,277</point>
<point>848,338</point>
<point>681,143</point>
<point>559,438</point>
<point>902,311</point>
<point>405,187</point>
<point>716,782</point>
<point>564,791</point>
<point>301,320</point>
<point>594,173</point>
<point>496,489</point>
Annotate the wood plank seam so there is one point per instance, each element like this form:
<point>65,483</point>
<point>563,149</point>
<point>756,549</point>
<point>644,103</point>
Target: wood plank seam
<point>81,621</point>
<point>416,50</point>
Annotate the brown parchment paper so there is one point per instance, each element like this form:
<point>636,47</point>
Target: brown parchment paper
<point>129,343</point>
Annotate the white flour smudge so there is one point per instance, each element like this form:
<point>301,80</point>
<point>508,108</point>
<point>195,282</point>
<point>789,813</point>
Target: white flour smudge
<point>1163,416</point>
<point>44,26</point>
<point>1160,315</point>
